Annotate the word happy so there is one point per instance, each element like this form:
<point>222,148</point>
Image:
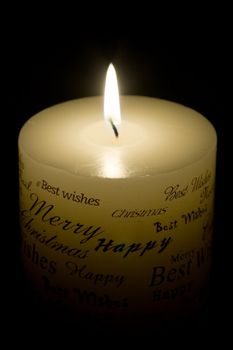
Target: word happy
<point>126,249</point>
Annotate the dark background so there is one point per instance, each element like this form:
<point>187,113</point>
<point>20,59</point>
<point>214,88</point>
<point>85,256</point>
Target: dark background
<point>50,59</point>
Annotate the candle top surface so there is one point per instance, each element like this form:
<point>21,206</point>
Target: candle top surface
<point>156,136</point>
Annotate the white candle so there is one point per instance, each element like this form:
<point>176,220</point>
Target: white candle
<point>118,225</point>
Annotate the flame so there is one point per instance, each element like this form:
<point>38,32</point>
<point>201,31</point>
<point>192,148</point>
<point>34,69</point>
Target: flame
<point>112,112</point>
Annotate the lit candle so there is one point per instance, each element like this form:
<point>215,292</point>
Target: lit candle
<point>116,217</point>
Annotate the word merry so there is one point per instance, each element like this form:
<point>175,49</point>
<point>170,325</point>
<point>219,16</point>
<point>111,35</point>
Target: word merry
<point>96,278</point>
<point>45,212</point>
<point>127,249</point>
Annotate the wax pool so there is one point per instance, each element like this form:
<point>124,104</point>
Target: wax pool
<point>121,226</point>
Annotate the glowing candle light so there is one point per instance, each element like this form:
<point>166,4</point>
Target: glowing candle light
<point>124,219</point>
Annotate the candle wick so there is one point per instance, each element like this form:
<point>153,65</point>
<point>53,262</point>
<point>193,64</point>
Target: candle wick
<point>114,128</point>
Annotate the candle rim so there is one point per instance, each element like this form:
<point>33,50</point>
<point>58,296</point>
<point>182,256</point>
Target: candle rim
<point>125,98</point>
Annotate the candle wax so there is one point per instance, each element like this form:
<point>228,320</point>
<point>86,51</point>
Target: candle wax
<point>120,226</point>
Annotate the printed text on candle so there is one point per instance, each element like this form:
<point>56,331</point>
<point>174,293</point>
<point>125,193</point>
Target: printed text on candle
<point>74,196</point>
<point>61,248</point>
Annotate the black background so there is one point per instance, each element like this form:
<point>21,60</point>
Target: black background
<point>178,56</point>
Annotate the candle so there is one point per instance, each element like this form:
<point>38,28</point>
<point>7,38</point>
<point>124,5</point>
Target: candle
<point>116,216</point>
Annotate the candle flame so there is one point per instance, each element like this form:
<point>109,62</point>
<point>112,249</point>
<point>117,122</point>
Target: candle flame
<point>112,112</point>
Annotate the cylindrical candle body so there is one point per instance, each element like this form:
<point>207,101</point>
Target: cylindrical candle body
<point>118,228</point>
